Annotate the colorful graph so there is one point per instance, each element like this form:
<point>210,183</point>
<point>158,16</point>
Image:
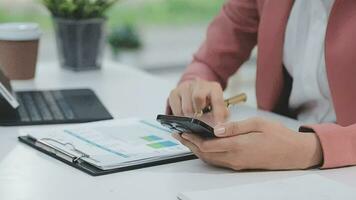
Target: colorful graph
<point>151,138</point>
<point>164,144</point>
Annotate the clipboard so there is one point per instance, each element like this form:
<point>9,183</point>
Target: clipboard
<point>90,169</point>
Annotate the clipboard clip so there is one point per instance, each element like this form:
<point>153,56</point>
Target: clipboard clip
<point>41,143</point>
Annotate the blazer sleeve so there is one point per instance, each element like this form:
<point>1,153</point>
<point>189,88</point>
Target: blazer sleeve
<point>229,41</point>
<point>338,144</point>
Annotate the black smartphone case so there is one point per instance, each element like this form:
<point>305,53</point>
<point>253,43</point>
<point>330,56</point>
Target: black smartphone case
<point>186,125</point>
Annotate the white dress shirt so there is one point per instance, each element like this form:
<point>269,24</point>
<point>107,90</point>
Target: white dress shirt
<point>304,59</point>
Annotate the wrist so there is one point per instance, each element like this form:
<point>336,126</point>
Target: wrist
<point>310,152</point>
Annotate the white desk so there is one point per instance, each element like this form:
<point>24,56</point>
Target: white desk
<point>28,174</point>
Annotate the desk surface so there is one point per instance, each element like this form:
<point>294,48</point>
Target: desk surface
<point>28,174</point>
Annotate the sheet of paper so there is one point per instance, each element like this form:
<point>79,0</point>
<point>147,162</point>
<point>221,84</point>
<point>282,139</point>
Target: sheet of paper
<point>313,187</point>
<point>115,143</point>
<point>241,112</point>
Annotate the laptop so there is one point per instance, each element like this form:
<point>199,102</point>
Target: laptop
<point>48,106</point>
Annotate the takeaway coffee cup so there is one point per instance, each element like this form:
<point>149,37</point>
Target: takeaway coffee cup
<point>18,49</point>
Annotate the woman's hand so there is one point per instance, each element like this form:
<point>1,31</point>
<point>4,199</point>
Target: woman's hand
<point>192,96</point>
<point>256,144</point>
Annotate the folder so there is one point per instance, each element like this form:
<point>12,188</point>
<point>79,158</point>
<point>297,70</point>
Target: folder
<point>150,145</point>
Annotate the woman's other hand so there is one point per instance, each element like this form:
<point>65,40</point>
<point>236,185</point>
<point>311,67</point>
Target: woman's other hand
<point>256,144</point>
<point>192,96</point>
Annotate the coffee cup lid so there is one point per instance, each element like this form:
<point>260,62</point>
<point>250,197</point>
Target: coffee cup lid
<point>19,31</point>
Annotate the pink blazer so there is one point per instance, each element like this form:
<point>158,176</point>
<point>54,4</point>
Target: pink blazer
<point>244,23</point>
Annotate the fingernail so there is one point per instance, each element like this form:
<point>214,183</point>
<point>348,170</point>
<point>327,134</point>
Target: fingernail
<point>185,136</point>
<point>219,130</point>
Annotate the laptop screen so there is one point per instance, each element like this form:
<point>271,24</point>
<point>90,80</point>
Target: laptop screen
<point>6,90</point>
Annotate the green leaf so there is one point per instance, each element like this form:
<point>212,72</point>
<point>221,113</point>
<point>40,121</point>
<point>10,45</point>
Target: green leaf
<point>78,9</point>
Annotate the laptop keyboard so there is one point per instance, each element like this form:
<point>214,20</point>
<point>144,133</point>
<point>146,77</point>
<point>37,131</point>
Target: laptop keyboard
<point>43,106</point>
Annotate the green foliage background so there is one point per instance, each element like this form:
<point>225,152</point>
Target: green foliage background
<point>146,12</point>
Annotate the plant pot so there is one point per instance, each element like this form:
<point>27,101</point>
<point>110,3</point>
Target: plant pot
<point>130,57</point>
<point>80,43</point>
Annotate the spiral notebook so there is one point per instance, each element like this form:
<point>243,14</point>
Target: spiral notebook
<point>105,147</point>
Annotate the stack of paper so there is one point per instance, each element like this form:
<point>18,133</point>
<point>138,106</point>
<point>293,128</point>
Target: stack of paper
<point>313,187</point>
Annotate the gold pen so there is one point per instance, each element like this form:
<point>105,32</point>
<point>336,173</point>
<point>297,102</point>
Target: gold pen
<point>230,101</point>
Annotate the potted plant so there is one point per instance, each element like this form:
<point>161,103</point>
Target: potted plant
<point>125,44</point>
<point>79,29</point>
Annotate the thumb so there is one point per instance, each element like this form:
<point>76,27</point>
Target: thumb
<point>239,127</point>
<point>226,129</point>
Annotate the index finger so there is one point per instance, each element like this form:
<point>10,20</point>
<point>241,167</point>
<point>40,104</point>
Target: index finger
<point>218,105</point>
<point>199,98</point>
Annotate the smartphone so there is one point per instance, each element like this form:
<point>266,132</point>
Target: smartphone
<point>186,125</point>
